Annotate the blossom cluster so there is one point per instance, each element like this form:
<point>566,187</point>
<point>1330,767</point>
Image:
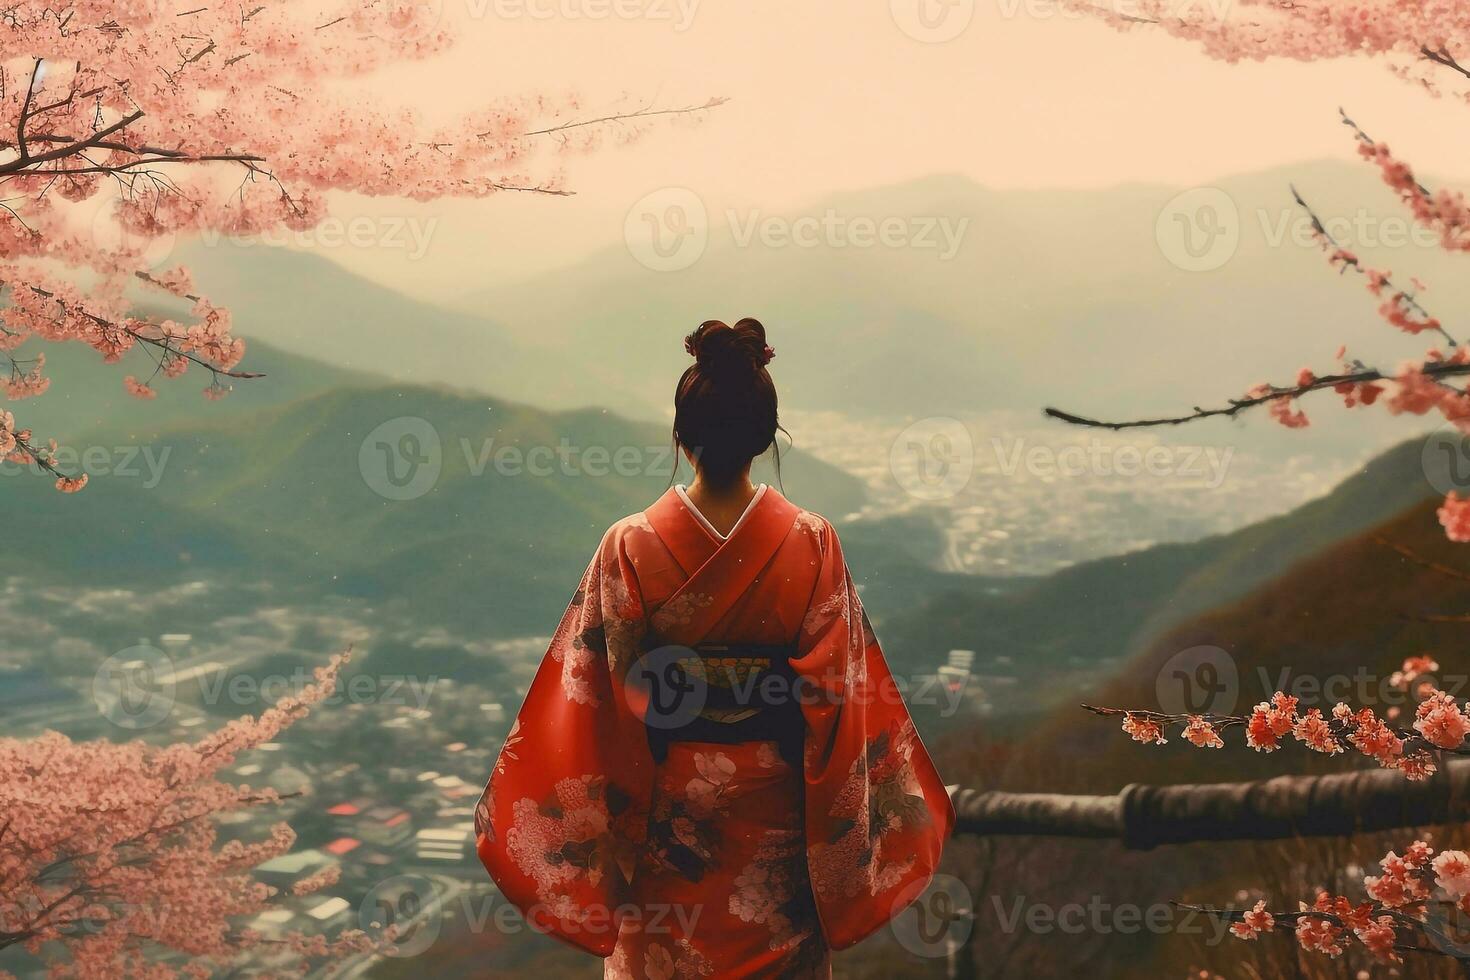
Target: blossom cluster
<point>109,853</point>
<point>1416,38</point>
<point>127,123</point>
<point>1440,723</point>
<point>1400,911</point>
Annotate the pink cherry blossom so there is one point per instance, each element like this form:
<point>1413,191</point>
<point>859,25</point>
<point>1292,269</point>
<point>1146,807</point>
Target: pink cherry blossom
<point>1202,734</point>
<point>1427,43</point>
<point>1441,721</point>
<point>1452,872</point>
<point>1319,935</point>
<point>1313,732</point>
<point>1254,922</point>
<point>1143,730</point>
<point>138,389</point>
<point>1454,515</point>
<point>104,845</point>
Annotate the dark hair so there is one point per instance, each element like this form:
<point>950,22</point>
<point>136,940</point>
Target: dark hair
<point>725,404</point>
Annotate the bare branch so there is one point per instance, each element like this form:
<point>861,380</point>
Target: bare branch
<point>623,117</point>
<point>1442,57</point>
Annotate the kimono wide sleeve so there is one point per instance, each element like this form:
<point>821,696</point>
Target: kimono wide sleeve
<point>877,813</point>
<point>566,804</point>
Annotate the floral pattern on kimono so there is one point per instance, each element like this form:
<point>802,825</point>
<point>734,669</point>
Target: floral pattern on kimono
<point>767,892</point>
<point>566,839</point>
<point>679,962</point>
<point>685,825</point>
<point>825,611</point>
<point>881,798</point>
<point>877,812</point>
<point>812,524</point>
<point>680,610</point>
<point>607,628</point>
<point>736,869</point>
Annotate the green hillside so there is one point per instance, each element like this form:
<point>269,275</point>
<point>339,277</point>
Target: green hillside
<point>298,495</point>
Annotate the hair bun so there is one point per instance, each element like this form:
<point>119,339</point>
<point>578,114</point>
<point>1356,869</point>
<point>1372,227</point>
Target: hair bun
<point>720,348</point>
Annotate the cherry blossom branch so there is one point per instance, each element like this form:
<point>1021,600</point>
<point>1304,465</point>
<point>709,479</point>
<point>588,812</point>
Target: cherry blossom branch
<point>644,113</point>
<point>162,342</point>
<point>1400,915</point>
<point>1364,140</point>
<point>27,162</point>
<point>1440,725</point>
<point>25,109</point>
<point>1442,57</point>
<point>1378,281</point>
<point>1238,405</point>
<point>1445,212</point>
<point>172,154</point>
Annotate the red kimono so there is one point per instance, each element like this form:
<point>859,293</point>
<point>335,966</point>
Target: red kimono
<point>711,858</point>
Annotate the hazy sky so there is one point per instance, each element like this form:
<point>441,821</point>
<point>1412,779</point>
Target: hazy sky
<point>837,96</point>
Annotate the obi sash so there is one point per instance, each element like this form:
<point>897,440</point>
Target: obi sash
<point>735,692</point>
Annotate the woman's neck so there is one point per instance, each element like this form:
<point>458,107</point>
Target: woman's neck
<point>721,504</point>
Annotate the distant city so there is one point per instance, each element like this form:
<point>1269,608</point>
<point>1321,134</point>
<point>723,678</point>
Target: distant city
<point>1024,509</point>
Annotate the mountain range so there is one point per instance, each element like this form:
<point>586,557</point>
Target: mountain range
<point>1052,297</point>
<point>1074,298</point>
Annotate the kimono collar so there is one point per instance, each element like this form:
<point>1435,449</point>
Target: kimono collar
<point>762,527</point>
<point>704,521</point>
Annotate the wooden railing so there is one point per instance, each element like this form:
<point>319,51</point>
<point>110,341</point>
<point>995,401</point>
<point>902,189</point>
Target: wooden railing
<point>1145,817</point>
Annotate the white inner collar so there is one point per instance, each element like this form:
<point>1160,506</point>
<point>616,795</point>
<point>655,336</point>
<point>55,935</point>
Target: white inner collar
<point>684,496</point>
